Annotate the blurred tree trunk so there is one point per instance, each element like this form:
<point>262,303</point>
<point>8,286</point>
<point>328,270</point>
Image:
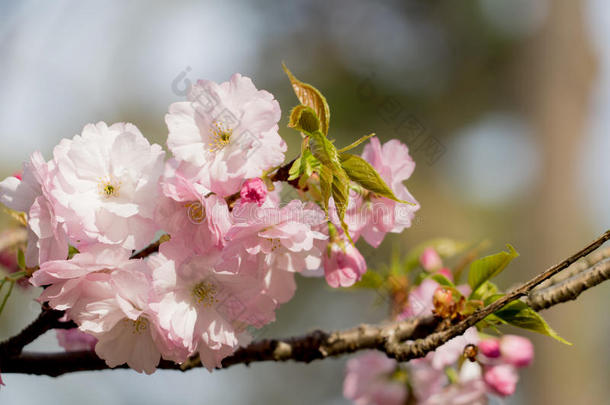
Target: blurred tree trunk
<point>555,77</point>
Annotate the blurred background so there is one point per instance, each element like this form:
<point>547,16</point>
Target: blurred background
<point>505,105</point>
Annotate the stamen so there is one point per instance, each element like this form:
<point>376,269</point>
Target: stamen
<point>205,293</point>
<point>221,136</point>
<point>139,325</point>
<point>196,211</point>
<point>108,186</point>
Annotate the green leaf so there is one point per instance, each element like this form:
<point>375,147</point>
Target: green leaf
<point>361,172</point>
<point>340,192</point>
<point>21,259</point>
<point>442,280</point>
<point>304,119</point>
<point>488,267</point>
<point>371,279</point>
<point>324,150</point>
<point>356,143</point>
<point>295,169</point>
<point>326,182</point>
<point>486,292</point>
<point>311,97</point>
<point>518,313</point>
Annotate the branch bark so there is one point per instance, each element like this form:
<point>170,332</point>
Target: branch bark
<point>402,340</point>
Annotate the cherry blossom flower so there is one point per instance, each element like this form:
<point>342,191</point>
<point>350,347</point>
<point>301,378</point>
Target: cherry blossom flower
<point>343,263</point>
<point>285,237</point>
<point>221,127</point>
<point>205,309</point>
<point>368,381</point>
<point>372,217</point>
<point>106,185</point>
<point>188,210</point>
<point>29,193</point>
<point>420,300</point>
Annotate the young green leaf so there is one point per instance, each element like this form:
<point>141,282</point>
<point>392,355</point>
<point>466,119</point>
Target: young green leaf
<point>518,313</point>
<point>487,291</point>
<point>324,150</point>
<point>442,280</point>
<point>311,97</point>
<point>356,143</point>
<point>304,119</point>
<point>361,172</point>
<point>326,182</point>
<point>488,267</point>
<point>340,192</point>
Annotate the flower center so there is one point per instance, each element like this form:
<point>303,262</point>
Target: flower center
<point>205,293</point>
<point>221,136</point>
<point>196,212</point>
<point>139,325</point>
<point>275,244</point>
<point>108,187</point>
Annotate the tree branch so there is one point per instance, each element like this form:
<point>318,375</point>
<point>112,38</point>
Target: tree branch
<point>570,288</point>
<point>422,335</point>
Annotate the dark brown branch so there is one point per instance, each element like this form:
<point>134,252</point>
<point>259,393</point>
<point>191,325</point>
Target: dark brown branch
<point>47,320</point>
<point>389,338</point>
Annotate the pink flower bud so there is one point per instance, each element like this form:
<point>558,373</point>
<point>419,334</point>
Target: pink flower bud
<point>1,382</point>
<point>516,350</point>
<point>430,260</point>
<point>490,348</point>
<point>254,190</point>
<point>501,379</point>
<point>343,265</point>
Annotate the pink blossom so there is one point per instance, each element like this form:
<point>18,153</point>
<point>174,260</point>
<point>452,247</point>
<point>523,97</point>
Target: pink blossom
<point>285,237</point>
<point>469,393</point>
<point>189,210</point>
<point>222,127</point>
<point>372,217</point>
<point>69,280</point>
<point>430,260</point>
<point>254,190</point>
<point>453,349</point>
<point>205,309</point>
<point>367,381</point>
<point>1,382</point>
<point>30,193</point>
<point>516,350</point>
<point>490,348</point>
<point>420,300</point>
<point>502,379</point>
<point>75,340</point>
<point>343,264</point>
<point>106,185</point>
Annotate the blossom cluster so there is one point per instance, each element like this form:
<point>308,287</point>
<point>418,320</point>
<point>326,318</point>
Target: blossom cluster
<point>230,246</point>
<point>463,371</point>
